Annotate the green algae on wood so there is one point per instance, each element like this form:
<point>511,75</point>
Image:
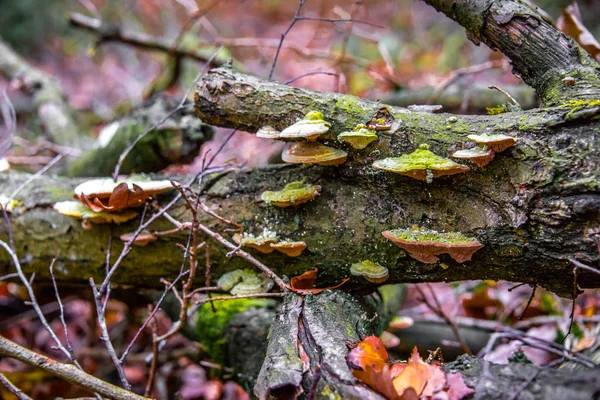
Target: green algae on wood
<point>371,271</point>
<point>310,127</point>
<point>293,194</point>
<point>421,164</point>
<point>313,153</point>
<point>425,244</point>
<point>359,138</point>
<point>241,282</point>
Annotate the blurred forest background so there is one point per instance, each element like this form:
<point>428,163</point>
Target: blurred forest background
<point>406,54</point>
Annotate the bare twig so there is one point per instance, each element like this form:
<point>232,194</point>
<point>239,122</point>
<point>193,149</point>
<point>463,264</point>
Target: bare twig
<point>68,372</point>
<point>35,176</point>
<point>284,34</point>
<point>437,308</point>
<point>470,70</point>
<point>108,33</point>
<point>528,303</point>
<point>100,316</point>
<point>12,388</point>
<point>309,74</point>
<point>504,92</point>
<point>62,311</point>
<point>179,107</point>
<point>35,304</point>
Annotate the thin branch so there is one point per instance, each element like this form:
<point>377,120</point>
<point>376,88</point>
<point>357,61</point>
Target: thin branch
<point>284,34</point>
<point>68,372</point>
<point>437,308</point>
<point>12,388</point>
<point>106,337</point>
<point>62,311</point>
<point>179,107</point>
<point>109,33</point>
<point>309,74</point>
<point>34,303</point>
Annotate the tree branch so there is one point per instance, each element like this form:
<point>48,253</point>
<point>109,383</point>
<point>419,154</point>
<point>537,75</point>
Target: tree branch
<point>68,372</point>
<point>541,55</point>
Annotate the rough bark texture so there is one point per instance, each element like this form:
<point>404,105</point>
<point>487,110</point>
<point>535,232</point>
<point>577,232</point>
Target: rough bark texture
<point>525,381</point>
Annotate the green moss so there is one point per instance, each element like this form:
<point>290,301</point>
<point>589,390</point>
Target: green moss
<point>416,234</point>
<point>211,324</point>
<point>578,105</point>
<point>349,105</point>
<point>497,110</point>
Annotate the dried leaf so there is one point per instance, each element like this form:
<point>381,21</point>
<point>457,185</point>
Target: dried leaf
<point>570,23</point>
<point>425,379</point>
<point>121,198</point>
<point>305,283</point>
<point>458,390</point>
<point>368,354</point>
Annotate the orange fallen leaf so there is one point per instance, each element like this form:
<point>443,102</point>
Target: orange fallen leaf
<point>305,283</point>
<point>570,23</point>
<point>370,353</point>
<point>425,379</point>
<point>478,303</point>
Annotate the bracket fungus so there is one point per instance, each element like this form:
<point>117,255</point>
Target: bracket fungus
<point>371,271</point>
<point>421,164</point>
<point>106,195</point>
<point>424,244</point>
<point>313,153</point>
<point>293,194</point>
<point>242,282</point>
<point>78,210</point>
<point>479,155</point>
<point>267,132</point>
<point>359,138</point>
<point>261,242</point>
<point>310,127</point>
<point>498,143</point>
<point>382,120</point>
<point>291,249</point>
<point>142,239</point>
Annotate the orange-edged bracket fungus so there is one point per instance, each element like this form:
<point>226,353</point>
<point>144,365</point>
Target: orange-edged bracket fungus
<point>421,164</point>
<point>261,242</point>
<point>241,282</point>
<point>313,153</point>
<point>310,127</point>
<point>142,239</point>
<point>371,271</point>
<point>479,155</point>
<point>424,244</point>
<point>291,249</point>
<point>498,143</point>
<point>359,138</point>
<point>77,210</point>
<point>293,194</point>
